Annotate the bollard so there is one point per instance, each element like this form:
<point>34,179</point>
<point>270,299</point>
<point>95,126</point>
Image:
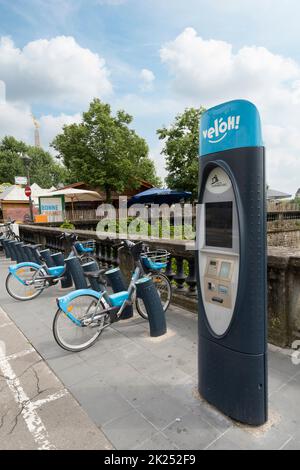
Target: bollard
<point>147,291</point>
<point>5,244</point>
<point>12,252</point>
<point>46,255</point>
<point>17,248</point>
<point>118,284</point>
<point>25,255</point>
<point>89,268</point>
<point>75,269</point>
<point>59,260</point>
<point>20,252</point>
<point>35,254</point>
<point>29,254</point>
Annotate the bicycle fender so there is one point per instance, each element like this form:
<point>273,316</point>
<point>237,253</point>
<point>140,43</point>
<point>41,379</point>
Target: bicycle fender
<point>14,268</point>
<point>63,302</point>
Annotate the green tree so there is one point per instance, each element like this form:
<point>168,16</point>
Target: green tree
<point>181,149</point>
<point>104,152</point>
<point>43,169</point>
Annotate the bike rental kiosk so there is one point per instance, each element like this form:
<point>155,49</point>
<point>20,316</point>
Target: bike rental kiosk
<point>231,262</point>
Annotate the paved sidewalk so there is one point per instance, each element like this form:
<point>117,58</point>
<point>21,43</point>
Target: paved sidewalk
<point>36,410</point>
<point>142,392</point>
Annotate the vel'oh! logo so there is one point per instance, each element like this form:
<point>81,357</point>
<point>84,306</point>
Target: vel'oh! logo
<point>221,128</point>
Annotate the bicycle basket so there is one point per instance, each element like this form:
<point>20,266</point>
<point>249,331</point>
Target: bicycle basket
<point>155,260</point>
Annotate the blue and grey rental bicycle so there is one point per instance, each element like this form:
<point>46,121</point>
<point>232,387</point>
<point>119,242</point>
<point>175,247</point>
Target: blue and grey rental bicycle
<point>26,281</point>
<point>83,315</point>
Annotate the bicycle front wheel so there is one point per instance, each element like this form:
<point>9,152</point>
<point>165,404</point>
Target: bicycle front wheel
<point>22,287</point>
<point>73,337</point>
<point>164,289</point>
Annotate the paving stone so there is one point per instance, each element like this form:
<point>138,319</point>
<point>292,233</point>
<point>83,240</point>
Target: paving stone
<point>76,373</point>
<point>101,402</point>
<point>70,428</point>
<point>157,442</point>
<point>162,410</point>
<point>191,433</point>
<point>129,431</point>
<point>273,439</point>
<point>14,342</point>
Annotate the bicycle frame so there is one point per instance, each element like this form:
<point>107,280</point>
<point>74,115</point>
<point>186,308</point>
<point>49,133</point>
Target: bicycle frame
<point>64,302</point>
<point>41,269</point>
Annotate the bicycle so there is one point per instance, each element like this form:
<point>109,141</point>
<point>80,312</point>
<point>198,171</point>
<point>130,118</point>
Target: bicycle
<point>26,281</point>
<point>83,315</point>
<point>9,233</point>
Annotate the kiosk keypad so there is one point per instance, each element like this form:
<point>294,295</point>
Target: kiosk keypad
<point>218,281</point>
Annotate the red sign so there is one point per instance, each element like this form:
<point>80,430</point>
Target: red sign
<point>28,191</point>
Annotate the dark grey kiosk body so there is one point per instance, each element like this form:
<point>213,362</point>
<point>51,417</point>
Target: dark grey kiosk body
<point>232,263</point>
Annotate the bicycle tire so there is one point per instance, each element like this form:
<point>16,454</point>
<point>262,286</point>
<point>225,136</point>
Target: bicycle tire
<point>58,336</point>
<point>12,294</point>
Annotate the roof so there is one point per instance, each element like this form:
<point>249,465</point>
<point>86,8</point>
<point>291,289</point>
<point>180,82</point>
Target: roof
<point>17,194</point>
<point>73,195</point>
<point>274,194</point>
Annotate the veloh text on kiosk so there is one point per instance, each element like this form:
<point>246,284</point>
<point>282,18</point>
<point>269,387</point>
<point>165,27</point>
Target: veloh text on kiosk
<point>231,262</point>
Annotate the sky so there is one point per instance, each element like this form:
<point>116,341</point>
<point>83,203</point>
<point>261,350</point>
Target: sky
<point>153,58</point>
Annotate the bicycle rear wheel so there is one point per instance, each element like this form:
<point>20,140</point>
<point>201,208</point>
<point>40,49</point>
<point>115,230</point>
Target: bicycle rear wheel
<point>164,289</point>
<point>20,288</point>
<point>71,336</point>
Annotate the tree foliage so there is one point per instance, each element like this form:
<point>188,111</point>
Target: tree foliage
<point>181,149</point>
<point>104,151</point>
<point>43,169</point>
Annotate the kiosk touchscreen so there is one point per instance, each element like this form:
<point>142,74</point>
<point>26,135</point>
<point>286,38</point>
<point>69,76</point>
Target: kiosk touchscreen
<point>231,258</point>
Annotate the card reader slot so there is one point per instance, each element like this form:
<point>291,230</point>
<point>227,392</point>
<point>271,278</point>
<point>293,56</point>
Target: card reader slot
<point>217,299</point>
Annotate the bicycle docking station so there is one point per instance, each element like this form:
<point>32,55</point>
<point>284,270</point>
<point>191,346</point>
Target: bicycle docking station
<point>18,246</point>
<point>231,263</point>
<point>59,260</point>
<point>10,249</point>
<point>147,291</point>
<point>118,284</point>
<point>47,257</point>
<point>92,269</point>
<point>35,253</point>
<point>75,269</point>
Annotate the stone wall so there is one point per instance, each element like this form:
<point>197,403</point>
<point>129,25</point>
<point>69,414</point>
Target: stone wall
<point>286,234</point>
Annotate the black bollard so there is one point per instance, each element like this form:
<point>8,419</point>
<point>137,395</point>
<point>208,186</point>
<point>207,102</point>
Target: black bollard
<point>59,260</point>
<point>12,251</point>
<point>28,253</point>
<point>21,258</point>
<point>18,251</point>
<point>24,252</point>
<point>118,284</point>
<point>35,254</point>
<point>4,244</point>
<point>75,269</point>
<point>147,291</point>
<point>8,253</point>
<point>91,268</point>
<point>46,255</point>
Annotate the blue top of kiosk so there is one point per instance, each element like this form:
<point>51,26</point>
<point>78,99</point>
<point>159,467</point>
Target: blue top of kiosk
<point>230,125</point>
